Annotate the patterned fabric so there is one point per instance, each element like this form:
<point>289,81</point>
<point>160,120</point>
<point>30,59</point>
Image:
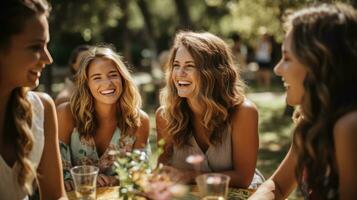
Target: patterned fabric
<point>9,187</point>
<point>82,151</point>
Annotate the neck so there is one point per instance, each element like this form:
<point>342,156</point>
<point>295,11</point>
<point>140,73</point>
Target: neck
<point>196,107</point>
<point>106,113</point>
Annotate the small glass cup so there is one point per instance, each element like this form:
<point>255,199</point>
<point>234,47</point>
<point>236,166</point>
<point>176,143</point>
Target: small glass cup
<point>85,180</point>
<point>213,186</point>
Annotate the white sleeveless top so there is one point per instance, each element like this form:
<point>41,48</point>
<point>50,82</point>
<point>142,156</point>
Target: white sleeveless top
<point>9,186</point>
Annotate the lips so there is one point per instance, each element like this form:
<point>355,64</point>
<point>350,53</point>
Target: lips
<point>36,72</point>
<point>183,83</point>
<point>107,92</point>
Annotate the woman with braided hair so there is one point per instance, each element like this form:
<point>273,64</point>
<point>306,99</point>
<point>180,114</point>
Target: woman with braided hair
<point>29,150</point>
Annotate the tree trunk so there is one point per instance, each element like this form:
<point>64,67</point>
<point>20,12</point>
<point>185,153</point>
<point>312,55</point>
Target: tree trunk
<point>184,15</point>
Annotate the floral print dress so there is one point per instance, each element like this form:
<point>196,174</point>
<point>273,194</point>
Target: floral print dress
<point>82,151</point>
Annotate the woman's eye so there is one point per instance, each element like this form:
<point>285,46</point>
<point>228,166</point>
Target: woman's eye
<point>36,47</point>
<point>113,75</point>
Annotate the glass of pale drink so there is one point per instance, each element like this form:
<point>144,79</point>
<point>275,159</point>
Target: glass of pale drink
<point>213,186</point>
<point>85,180</point>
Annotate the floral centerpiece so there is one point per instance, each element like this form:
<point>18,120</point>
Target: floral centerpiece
<point>140,174</point>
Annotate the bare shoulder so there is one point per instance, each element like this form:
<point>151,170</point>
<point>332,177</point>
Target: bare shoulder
<point>247,107</point>
<point>346,126</point>
<point>161,123</point>
<point>144,116</point>
<point>46,100</point>
<point>64,110</point>
<point>159,111</point>
<point>145,122</point>
<point>159,114</point>
<point>66,122</point>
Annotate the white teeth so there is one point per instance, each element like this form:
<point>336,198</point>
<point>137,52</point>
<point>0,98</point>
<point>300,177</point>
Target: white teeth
<point>184,82</point>
<point>104,92</point>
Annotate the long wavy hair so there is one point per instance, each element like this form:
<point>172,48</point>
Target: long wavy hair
<point>82,101</point>
<point>324,40</point>
<point>221,88</point>
<point>18,116</point>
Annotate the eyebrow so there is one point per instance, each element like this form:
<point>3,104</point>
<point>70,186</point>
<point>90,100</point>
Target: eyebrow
<point>113,71</point>
<point>187,62</point>
<point>94,75</point>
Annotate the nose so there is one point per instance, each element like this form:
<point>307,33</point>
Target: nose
<point>46,57</point>
<point>181,72</point>
<point>278,68</point>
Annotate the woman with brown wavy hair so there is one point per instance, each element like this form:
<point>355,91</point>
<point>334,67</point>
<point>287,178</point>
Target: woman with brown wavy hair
<point>204,111</point>
<point>319,70</point>
<point>103,114</point>
<point>29,148</point>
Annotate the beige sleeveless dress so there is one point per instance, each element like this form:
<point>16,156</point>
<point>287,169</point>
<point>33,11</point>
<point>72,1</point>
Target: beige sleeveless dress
<point>9,187</point>
<point>217,158</point>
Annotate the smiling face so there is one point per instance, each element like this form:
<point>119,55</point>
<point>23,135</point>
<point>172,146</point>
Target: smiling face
<point>104,81</point>
<point>185,74</point>
<point>293,73</point>
<point>22,62</point>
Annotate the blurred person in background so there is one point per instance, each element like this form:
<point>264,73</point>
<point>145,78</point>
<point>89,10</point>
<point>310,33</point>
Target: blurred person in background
<point>65,94</point>
<point>263,56</point>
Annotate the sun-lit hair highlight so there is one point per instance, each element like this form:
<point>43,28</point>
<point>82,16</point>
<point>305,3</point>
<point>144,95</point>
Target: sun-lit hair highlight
<point>220,88</point>
<point>82,101</point>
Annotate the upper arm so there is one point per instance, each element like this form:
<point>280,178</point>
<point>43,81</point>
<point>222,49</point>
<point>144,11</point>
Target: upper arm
<point>50,169</point>
<point>62,97</point>
<point>345,137</point>
<point>245,142</point>
<point>160,123</point>
<point>142,132</point>
<point>65,122</point>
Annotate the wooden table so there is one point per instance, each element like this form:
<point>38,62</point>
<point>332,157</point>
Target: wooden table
<point>111,193</point>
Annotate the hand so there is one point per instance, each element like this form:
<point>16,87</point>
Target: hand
<point>177,175</point>
<point>69,185</point>
<point>159,190</point>
<point>264,192</point>
<point>105,181</point>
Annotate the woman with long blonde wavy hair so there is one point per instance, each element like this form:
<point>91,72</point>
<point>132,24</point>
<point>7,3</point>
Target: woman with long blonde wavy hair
<point>204,111</point>
<point>29,150</point>
<point>103,114</point>
<point>319,70</point>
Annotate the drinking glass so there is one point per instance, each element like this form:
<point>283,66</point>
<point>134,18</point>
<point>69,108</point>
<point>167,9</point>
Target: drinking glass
<point>85,180</point>
<point>213,186</point>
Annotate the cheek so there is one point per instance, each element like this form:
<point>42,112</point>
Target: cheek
<point>92,87</point>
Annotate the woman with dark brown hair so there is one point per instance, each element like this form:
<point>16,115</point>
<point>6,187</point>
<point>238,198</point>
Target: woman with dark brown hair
<point>319,70</point>
<point>29,149</point>
<point>204,111</point>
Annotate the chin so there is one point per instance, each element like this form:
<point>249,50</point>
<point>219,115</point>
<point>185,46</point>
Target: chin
<point>32,84</point>
<point>292,102</point>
